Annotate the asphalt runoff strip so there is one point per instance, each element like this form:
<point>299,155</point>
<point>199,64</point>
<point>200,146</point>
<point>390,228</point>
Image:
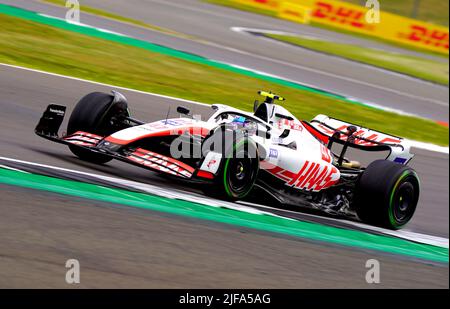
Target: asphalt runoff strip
<point>127,247</point>
<point>292,212</point>
<point>265,223</point>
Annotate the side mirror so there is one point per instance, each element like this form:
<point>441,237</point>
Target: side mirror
<point>351,130</point>
<point>183,110</point>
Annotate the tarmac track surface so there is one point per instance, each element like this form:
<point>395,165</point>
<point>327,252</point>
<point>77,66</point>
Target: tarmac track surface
<point>122,247</point>
<point>330,73</point>
<point>25,94</point>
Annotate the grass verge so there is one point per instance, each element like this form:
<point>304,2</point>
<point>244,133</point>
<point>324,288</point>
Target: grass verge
<point>119,18</point>
<point>47,48</point>
<point>252,9</point>
<point>433,11</point>
<point>243,7</point>
<point>413,66</point>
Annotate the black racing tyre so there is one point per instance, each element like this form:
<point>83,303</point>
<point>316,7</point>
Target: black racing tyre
<point>92,114</point>
<point>238,173</point>
<point>387,194</point>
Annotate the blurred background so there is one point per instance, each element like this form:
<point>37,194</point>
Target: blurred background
<point>383,66</point>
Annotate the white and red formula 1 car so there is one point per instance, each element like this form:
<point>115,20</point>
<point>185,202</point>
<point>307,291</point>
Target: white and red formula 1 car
<point>234,152</point>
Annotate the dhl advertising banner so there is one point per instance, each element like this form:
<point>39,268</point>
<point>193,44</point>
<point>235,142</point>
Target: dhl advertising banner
<point>353,18</point>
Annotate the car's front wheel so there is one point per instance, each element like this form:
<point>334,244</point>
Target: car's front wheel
<point>387,194</point>
<point>238,174</point>
<point>93,114</point>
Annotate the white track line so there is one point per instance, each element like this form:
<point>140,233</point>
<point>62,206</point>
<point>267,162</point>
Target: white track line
<point>416,144</point>
<point>243,30</point>
<point>12,169</point>
<point>242,206</point>
<point>104,84</point>
<point>342,59</point>
<point>430,147</point>
<point>405,233</point>
<point>84,25</point>
<point>437,102</point>
<point>155,190</point>
<point>302,67</point>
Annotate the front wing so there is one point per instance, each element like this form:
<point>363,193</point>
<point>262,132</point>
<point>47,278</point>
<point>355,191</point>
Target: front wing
<point>52,118</point>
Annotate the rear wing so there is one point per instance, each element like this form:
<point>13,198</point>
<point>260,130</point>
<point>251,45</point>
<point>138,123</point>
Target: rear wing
<point>338,131</point>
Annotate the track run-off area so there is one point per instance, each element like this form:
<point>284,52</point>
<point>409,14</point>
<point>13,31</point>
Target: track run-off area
<point>39,168</point>
<point>52,185</point>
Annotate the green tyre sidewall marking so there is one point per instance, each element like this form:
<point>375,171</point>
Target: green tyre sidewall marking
<point>225,182</point>
<point>392,219</point>
<point>225,169</point>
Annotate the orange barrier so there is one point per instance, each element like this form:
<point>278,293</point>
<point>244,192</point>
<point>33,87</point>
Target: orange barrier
<point>353,18</point>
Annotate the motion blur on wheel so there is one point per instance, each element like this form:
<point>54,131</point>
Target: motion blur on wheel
<point>235,151</point>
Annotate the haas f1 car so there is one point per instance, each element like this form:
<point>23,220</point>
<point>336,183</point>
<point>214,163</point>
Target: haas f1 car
<point>234,152</point>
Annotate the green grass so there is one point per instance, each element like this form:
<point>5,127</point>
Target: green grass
<point>243,7</point>
<point>413,66</point>
<point>382,41</point>
<point>46,48</point>
<point>112,16</point>
<point>433,11</point>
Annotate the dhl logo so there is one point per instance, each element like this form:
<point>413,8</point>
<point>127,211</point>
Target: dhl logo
<point>341,15</point>
<point>427,36</point>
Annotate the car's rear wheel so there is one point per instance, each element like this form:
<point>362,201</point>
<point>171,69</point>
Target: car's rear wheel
<point>387,194</point>
<point>93,114</point>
